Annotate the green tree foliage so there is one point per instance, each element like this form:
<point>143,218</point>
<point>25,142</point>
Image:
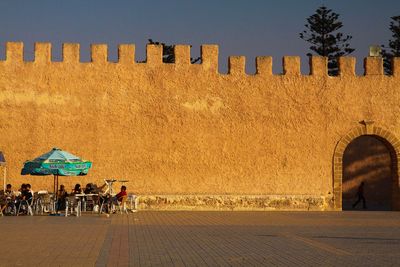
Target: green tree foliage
<point>322,33</point>
<point>169,53</point>
<point>393,48</point>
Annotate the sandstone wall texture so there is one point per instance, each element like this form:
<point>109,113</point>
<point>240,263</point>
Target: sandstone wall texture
<point>185,129</point>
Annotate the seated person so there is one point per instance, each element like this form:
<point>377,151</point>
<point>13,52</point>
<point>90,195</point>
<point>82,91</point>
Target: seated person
<point>61,198</point>
<point>98,189</point>
<point>100,198</point>
<point>19,195</point>
<point>119,197</point>
<point>29,188</point>
<point>77,189</point>
<point>91,200</point>
<point>8,198</point>
<point>9,193</point>
<point>25,195</point>
<point>23,187</point>
<point>89,189</point>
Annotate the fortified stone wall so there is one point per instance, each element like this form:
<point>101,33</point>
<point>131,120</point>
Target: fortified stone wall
<point>184,135</point>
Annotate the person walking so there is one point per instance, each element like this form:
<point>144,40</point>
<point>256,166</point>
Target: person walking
<point>360,196</point>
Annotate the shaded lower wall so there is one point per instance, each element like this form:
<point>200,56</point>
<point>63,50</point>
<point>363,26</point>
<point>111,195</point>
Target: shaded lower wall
<point>234,202</point>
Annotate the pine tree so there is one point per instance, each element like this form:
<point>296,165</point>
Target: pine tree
<point>325,41</point>
<point>169,53</point>
<point>394,45</point>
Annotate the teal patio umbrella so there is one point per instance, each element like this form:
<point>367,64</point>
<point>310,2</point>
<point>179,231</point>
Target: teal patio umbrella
<point>57,163</point>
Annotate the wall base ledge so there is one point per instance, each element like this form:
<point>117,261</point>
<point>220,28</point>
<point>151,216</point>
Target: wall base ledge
<point>235,202</point>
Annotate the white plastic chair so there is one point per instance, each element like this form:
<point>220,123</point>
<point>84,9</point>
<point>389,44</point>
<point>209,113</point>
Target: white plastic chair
<point>122,205</point>
<point>106,201</point>
<point>25,203</point>
<point>72,205</point>
<point>133,202</point>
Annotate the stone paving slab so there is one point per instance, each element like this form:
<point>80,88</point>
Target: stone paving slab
<point>203,239</point>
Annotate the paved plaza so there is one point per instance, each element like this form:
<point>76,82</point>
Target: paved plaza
<point>203,239</point>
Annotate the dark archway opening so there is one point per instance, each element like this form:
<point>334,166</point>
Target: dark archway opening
<point>369,159</point>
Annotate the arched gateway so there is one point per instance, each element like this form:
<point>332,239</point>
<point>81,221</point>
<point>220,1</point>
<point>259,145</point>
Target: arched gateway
<point>371,154</point>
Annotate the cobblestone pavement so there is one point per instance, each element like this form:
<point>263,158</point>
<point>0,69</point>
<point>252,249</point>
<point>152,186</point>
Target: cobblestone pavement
<point>204,239</point>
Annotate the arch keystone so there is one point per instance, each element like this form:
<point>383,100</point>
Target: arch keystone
<point>368,126</point>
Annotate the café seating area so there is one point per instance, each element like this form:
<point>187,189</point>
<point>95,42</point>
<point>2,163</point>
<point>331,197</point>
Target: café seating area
<point>96,200</point>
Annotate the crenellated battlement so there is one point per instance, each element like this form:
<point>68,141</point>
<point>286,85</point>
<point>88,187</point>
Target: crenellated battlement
<point>209,60</point>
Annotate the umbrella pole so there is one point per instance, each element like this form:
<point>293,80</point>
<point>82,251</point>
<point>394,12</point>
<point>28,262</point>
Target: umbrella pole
<point>55,187</point>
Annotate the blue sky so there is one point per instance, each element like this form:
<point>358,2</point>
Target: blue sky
<point>249,28</point>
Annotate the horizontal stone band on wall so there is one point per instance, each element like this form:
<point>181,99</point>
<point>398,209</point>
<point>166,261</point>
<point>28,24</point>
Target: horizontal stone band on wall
<point>235,202</point>
<point>209,59</point>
